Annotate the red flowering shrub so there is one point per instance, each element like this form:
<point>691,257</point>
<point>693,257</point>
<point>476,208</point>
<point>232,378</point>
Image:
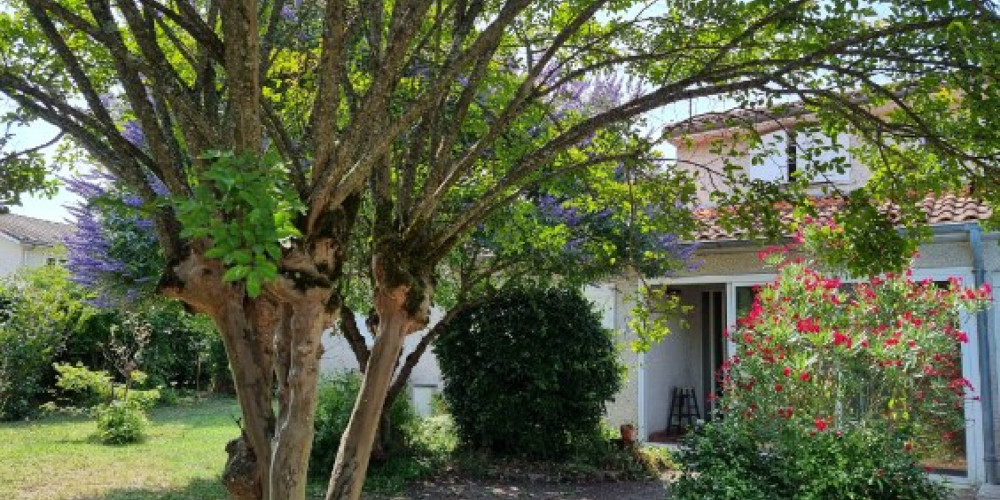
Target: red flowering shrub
<point>821,354</point>
<point>835,390</point>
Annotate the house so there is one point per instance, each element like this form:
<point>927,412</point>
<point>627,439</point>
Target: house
<point>30,242</point>
<point>722,287</point>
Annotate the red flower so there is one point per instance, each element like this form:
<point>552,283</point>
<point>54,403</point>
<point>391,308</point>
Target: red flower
<point>820,424</point>
<point>841,339</point>
<point>778,387</point>
<point>786,371</point>
<point>805,376</point>
<point>807,325</point>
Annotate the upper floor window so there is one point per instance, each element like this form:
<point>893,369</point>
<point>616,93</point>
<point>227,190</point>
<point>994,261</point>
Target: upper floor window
<point>779,159</point>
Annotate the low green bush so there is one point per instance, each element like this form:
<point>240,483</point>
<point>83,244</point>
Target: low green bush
<point>39,310</point>
<point>729,461</point>
<point>184,351</point>
<point>121,421</point>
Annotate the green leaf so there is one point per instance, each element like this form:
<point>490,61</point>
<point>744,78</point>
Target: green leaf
<point>236,273</point>
<point>253,285</point>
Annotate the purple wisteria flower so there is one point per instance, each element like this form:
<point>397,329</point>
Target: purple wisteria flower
<point>90,248</point>
<point>133,133</point>
<point>288,12</point>
<point>555,211</point>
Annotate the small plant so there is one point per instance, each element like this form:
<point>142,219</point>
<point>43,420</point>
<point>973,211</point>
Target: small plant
<point>120,412</point>
<point>119,408</point>
<point>120,421</point>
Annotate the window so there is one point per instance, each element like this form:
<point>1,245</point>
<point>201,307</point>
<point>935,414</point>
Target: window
<point>780,158</point>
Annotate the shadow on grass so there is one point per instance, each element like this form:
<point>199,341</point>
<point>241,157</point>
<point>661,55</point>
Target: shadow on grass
<point>199,489</point>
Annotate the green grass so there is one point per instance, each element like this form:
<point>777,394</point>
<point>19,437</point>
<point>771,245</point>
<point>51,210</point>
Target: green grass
<point>180,459</point>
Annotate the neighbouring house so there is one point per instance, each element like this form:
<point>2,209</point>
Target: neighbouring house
<point>722,289</point>
<point>27,242</point>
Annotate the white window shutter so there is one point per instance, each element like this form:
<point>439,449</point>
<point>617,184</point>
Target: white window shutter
<point>773,153</point>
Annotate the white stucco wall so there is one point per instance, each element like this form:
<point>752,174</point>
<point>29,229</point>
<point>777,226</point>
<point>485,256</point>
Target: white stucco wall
<point>14,255</point>
<point>424,380</point>
<point>11,256</point>
<point>611,301</point>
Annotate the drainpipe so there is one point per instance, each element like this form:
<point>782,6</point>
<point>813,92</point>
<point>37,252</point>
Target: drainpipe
<point>985,350</point>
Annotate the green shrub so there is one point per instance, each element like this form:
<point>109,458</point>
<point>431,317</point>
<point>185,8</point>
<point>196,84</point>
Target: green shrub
<point>528,373</point>
<point>120,422</point>
<point>179,353</point>
<point>41,309</point>
<point>120,409</point>
<point>337,395</point>
<point>726,460</point>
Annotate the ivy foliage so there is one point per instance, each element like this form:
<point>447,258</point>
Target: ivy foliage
<point>528,373</point>
<point>242,205</point>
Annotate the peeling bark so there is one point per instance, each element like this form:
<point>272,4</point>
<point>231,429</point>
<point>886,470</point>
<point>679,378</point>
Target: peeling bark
<point>272,341</point>
<point>293,436</point>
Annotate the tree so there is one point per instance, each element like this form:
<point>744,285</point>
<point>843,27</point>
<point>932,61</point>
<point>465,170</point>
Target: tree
<point>558,233</point>
<point>273,124</point>
<point>22,169</point>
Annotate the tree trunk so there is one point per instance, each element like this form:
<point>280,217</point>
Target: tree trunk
<point>253,380</point>
<point>356,444</point>
<point>293,436</point>
<point>397,318</point>
<point>268,339</point>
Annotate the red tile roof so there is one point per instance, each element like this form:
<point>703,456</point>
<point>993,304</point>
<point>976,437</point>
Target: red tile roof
<point>940,210</point>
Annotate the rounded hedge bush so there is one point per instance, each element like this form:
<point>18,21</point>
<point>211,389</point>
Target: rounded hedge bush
<point>528,373</point>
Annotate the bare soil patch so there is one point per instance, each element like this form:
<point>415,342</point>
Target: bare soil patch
<point>501,489</point>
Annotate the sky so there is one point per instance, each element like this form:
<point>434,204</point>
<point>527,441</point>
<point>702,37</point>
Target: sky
<point>42,208</point>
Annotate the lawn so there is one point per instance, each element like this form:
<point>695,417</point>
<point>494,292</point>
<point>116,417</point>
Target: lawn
<point>181,458</point>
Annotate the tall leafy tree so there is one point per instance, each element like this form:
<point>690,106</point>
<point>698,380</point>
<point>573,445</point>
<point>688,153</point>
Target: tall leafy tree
<point>273,125</point>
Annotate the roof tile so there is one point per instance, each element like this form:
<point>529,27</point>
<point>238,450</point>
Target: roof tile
<point>940,210</point>
<point>32,231</point>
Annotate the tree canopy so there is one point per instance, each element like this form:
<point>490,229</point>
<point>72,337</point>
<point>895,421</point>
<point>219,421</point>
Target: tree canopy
<point>255,133</point>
